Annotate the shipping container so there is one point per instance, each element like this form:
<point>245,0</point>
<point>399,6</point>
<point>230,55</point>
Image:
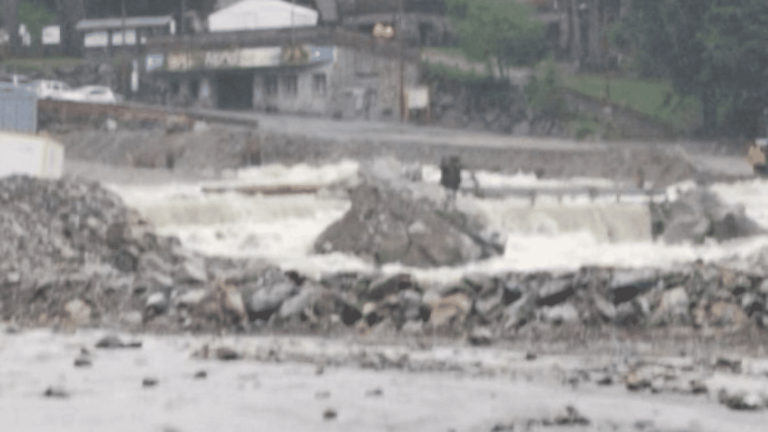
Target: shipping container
<point>32,155</point>
<point>18,109</point>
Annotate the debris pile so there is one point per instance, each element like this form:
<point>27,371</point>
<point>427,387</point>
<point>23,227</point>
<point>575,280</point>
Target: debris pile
<point>394,219</point>
<point>699,214</point>
<point>74,255</point>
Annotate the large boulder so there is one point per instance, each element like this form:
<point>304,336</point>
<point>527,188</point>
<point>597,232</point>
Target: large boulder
<point>393,221</point>
<point>699,214</point>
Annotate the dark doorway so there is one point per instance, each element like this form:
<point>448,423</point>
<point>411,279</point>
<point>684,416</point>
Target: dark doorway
<point>235,90</point>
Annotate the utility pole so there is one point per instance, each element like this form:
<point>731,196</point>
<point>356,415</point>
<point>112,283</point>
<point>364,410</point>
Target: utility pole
<point>182,21</point>
<point>401,37</point>
<point>123,64</point>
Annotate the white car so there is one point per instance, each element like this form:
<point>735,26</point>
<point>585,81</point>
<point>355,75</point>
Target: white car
<point>92,94</point>
<point>47,89</point>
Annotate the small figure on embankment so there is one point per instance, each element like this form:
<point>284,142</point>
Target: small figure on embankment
<point>450,179</point>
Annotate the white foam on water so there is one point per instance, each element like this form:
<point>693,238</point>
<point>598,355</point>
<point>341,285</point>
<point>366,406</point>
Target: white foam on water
<point>565,234</point>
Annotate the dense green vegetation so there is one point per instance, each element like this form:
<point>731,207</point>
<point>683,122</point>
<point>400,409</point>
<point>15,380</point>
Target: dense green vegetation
<point>654,98</point>
<point>500,33</point>
<point>709,49</point>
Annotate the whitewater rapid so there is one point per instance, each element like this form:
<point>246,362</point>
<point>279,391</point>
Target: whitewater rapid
<point>562,233</point>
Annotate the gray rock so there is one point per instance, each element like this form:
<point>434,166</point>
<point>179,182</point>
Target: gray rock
<point>151,262</point>
<point>606,309</point>
<point>673,307</point>
<point>698,214</point>
<point>561,314</point>
<point>269,299</point>
<point>480,336</point>
<point>193,297</point>
<point>78,311</point>
<point>388,223</point>
<point>157,301</point>
<point>752,303</point>
<point>554,292</point>
<point>519,312</point>
<point>159,280</point>
<point>56,392</point>
<point>410,303</point>
<point>295,305</point>
<point>628,284</point>
<point>192,271</point>
<point>764,287</point>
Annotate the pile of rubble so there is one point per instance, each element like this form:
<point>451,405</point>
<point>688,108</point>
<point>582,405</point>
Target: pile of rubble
<point>699,214</point>
<point>396,218</point>
<point>73,254</point>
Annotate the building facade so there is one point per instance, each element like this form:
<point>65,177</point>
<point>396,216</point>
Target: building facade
<point>318,71</point>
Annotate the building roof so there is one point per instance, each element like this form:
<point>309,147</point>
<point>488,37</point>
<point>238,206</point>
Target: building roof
<point>130,22</point>
<point>329,11</point>
<point>261,14</point>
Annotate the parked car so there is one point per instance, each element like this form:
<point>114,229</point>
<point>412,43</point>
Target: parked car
<point>93,94</point>
<point>48,89</point>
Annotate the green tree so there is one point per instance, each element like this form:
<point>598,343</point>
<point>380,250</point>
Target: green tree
<point>36,14</point>
<point>500,32</point>
<point>712,49</point>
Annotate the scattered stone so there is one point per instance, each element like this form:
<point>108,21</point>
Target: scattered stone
<point>110,342</point>
<point>570,416</point>
<point>199,375</point>
<point>730,365</point>
<point>297,304</point>
<point>604,380</point>
<point>192,271</point>
<point>319,370</point>
<point>330,414</point>
<point>227,354</point>
<point>56,392</point>
<point>450,309</point>
<point>377,392</point>
<point>78,311</point>
<point>555,292</point>
<point>673,307</point>
<point>636,382</point>
<point>530,356</point>
<point>740,401</point>
<point>149,382</point>
<point>323,395</point>
<point>562,314</point>
<point>727,314</point>
<point>266,301</point>
<point>480,336</point>
<point>83,361</point>
<point>698,387</point>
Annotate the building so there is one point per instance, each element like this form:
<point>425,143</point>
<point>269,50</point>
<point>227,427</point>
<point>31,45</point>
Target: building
<point>423,22</point>
<point>104,37</point>
<point>313,70</point>
<point>260,15</point>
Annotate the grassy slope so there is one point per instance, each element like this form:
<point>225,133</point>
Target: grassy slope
<point>646,97</point>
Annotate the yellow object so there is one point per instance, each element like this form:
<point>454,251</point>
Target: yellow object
<point>755,156</point>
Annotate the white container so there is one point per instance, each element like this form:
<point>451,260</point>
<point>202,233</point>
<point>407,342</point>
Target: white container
<point>31,155</point>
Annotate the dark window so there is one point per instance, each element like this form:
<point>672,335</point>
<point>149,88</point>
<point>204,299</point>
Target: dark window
<point>270,85</point>
<point>290,85</point>
<point>175,87</point>
<point>319,84</point>
<point>194,88</point>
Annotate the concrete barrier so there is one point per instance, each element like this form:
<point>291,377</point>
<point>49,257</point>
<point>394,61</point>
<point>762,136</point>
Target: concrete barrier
<point>32,155</point>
